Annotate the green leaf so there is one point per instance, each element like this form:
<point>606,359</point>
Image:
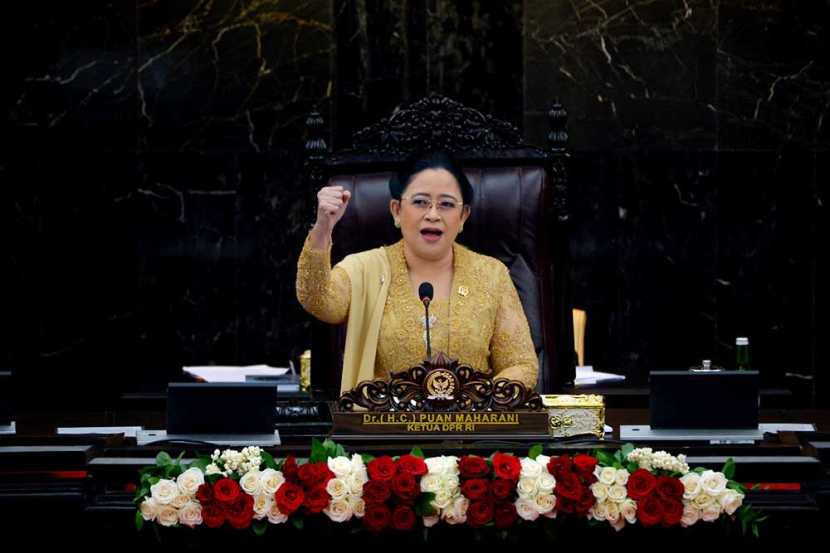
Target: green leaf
<point>154,480</point>
<point>142,492</point>
<point>416,452</point>
<point>729,469</point>
<point>763,518</point>
<point>738,487</point>
<point>631,467</point>
<point>426,534</point>
<point>139,521</point>
<point>604,458</point>
<point>424,507</point>
<point>268,460</point>
<point>163,459</point>
<point>699,470</point>
<point>367,458</point>
<point>535,451</point>
<point>318,452</point>
<point>743,527</point>
<point>755,530</point>
<point>356,530</point>
<point>200,464</point>
<point>179,458</point>
<point>297,522</point>
<point>260,527</point>
<point>168,469</point>
<point>503,533</point>
<point>214,478</point>
<point>626,450</point>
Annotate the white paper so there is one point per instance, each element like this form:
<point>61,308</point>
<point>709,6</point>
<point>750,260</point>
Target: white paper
<point>587,375</point>
<point>216,373</point>
<point>128,431</point>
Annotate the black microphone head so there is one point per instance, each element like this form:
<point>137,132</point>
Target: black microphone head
<point>425,291</point>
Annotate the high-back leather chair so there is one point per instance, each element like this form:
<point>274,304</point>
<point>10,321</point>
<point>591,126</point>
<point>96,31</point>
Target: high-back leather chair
<point>519,215</point>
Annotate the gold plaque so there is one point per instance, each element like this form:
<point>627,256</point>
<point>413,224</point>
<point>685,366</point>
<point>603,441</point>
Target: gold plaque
<point>575,415</point>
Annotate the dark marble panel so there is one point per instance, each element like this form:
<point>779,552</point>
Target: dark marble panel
<point>389,54</point>
<point>69,76</point>
<point>633,75</point>
<point>643,230</point>
<point>768,215</point>
<point>74,285</point>
<point>773,74</point>
<point>229,76</point>
<point>820,346</point>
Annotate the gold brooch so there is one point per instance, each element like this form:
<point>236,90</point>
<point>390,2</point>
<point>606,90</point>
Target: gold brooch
<point>464,291</point>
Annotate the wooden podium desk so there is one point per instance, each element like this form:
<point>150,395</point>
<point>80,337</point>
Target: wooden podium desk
<point>81,487</point>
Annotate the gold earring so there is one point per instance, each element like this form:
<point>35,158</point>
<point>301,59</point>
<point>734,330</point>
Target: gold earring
<point>397,224</point>
<point>461,229</point>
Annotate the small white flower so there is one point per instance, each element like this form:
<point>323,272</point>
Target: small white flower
<point>191,514</point>
<point>168,515</point>
<point>165,491</point>
<point>338,510</point>
<point>526,509</point>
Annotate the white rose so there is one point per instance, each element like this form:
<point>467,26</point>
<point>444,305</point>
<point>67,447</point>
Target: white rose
<point>526,509</point>
<point>527,487</point>
<point>543,460</point>
<point>613,514</point>
<point>190,480</point>
<point>711,513</point>
<point>692,485</point>
<point>340,466</point>
<point>251,483</point>
<point>544,503</point>
<point>442,499</point>
<point>270,481</point>
<point>275,516</point>
<point>358,506</point>
<point>450,482</point>
<point>262,505</point>
<point>628,509</point>
<point>459,510</point>
<point>600,490</point>
<point>430,521</point>
<point>337,488</point>
<point>339,510</point>
<point>165,491</point>
<point>691,514</point>
<point>730,500</point>
<point>530,468</point>
<point>430,483</point>
<point>622,477</point>
<point>356,480</point>
<point>703,500</point>
<point>714,483</point>
<point>441,465</point>
<point>546,483</point>
<point>357,463</point>
<point>607,475</point>
<point>150,508</point>
<point>181,500</point>
<point>617,493</point>
<point>168,515</point>
<point>191,514</point>
<point>601,510</point>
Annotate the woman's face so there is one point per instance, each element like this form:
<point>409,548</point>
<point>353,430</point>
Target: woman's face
<point>431,213</point>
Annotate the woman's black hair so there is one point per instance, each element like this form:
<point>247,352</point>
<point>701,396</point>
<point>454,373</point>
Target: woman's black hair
<point>430,160</point>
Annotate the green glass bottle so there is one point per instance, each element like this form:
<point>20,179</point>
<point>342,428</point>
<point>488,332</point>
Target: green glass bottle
<point>742,354</point>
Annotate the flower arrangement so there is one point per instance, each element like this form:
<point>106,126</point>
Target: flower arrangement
<point>248,488</point>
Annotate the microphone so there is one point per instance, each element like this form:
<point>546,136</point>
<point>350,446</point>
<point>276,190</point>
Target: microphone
<point>425,292</point>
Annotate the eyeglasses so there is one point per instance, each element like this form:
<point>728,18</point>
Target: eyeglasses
<point>423,203</point>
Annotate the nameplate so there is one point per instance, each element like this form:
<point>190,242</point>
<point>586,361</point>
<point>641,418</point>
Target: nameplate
<point>442,425</point>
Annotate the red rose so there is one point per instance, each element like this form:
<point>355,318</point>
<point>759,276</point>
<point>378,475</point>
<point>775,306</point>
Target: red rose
<point>314,474</point>
<point>289,498</point>
<point>290,469</point>
<point>650,511</point>
<point>473,467</point>
<point>672,512</point>
<point>507,466</point>
<point>502,489</point>
<point>568,486</point>
<point>375,491</point>
<point>640,484</point>
<point>403,518</point>
<point>214,514</point>
<point>382,468</point>
<point>585,502</point>
<point>670,488</point>
<point>506,515</point>
<point>317,499</point>
<point>376,517</point>
<point>558,466</point>
<point>205,494</point>
<point>405,486</point>
<point>479,513</point>
<point>226,490</point>
<point>584,465</point>
<point>412,465</point>
<point>564,505</point>
<point>241,511</point>
<point>476,489</point>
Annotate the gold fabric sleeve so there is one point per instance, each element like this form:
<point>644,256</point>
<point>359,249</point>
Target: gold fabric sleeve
<point>324,292</point>
<point>511,348</point>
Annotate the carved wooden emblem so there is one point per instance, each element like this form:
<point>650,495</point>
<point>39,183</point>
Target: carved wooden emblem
<point>440,384</point>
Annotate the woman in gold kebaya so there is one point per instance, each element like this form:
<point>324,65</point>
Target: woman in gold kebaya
<point>475,314</point>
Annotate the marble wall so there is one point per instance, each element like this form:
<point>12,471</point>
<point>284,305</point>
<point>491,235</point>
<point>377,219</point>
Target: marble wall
<point>154,205</point>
